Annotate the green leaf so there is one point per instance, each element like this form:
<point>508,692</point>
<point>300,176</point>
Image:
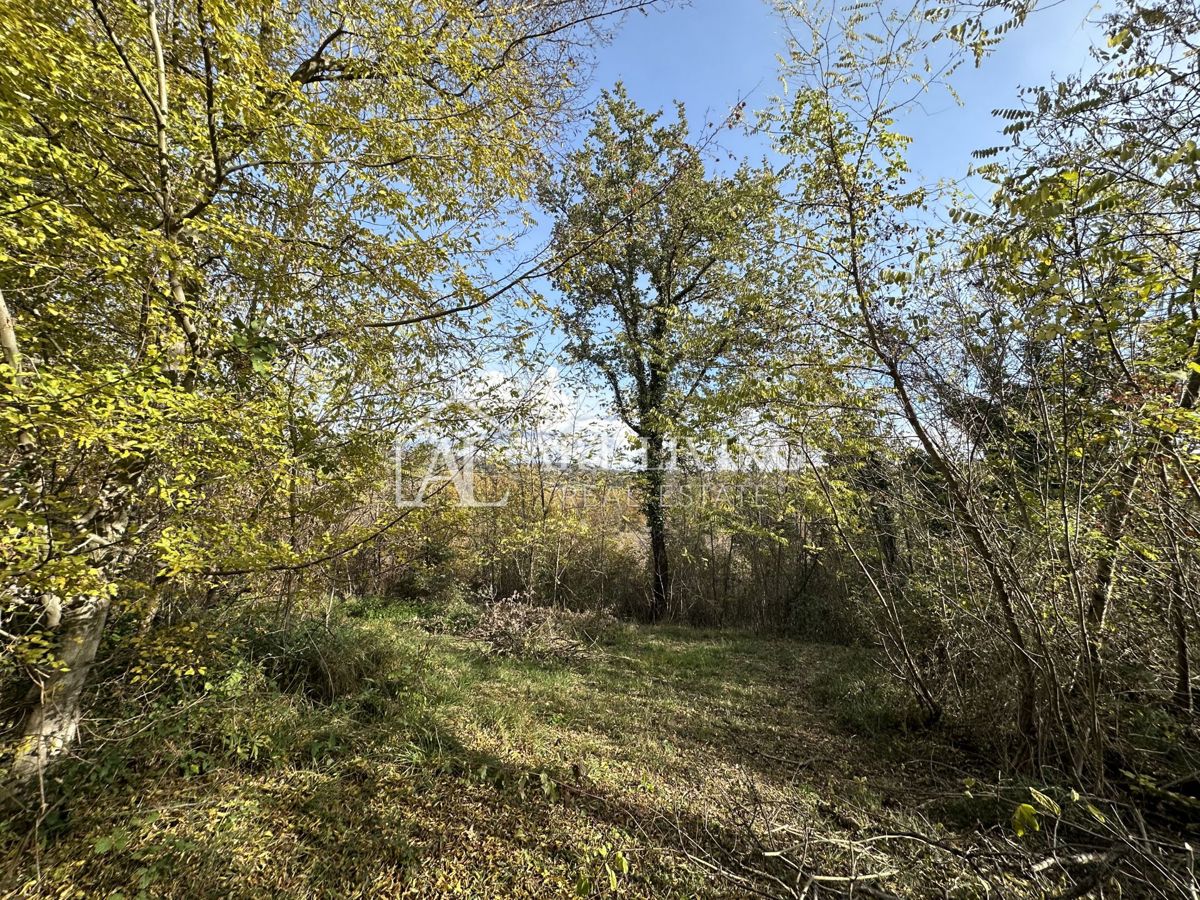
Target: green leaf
<point>1024,819</point>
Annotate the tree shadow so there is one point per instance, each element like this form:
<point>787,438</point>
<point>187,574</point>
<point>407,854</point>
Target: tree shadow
<point>411,796</point>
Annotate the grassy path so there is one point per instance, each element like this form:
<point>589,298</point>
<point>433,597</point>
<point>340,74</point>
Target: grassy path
<point>667,763</point>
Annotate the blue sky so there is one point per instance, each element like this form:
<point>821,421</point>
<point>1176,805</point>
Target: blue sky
<point>714,52</point>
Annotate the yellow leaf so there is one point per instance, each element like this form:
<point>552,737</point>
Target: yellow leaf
<point>1024,819</point>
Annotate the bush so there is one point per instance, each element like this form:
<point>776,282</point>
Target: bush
<point>457,614</point>
<point>324,664</point>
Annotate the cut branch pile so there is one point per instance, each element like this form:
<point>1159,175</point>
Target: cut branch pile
<point>514,627</point>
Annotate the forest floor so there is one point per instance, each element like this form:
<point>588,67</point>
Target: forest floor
<point>658,762</point>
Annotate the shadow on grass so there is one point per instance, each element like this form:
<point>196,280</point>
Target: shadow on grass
<point>464,774</point>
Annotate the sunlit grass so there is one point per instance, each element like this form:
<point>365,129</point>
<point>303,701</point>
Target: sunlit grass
<point>452,772</point>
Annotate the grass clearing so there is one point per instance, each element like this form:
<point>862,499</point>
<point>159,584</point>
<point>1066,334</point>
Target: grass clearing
<point>661,764</point>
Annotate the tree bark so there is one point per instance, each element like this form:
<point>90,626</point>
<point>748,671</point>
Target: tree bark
<point>54,701</point>
<point>655,483</point>
<point>1116,518</point>
<point>55,704</point>
<point>1183,699</point>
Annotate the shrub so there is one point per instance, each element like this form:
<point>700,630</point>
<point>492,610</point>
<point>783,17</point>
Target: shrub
<point>324,664</point>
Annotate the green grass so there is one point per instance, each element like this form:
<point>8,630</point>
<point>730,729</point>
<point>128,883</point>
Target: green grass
<point>634,772</point>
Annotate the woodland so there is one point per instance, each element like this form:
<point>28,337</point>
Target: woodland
<point>870,567</point>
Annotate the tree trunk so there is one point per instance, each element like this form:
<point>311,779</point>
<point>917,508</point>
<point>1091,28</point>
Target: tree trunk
<point>655,481</point>
<point>54,705</point>
<point>880,493</point>
<point>52,719</point>
<point>1183,699</point>
<point>1116,517</point>
<point>1001,570</point>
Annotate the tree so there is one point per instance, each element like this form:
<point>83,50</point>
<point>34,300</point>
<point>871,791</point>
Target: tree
<point>226,230</point>
<point>1091,246</point>
<point>1042,356</point>
<point>663,281</point>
